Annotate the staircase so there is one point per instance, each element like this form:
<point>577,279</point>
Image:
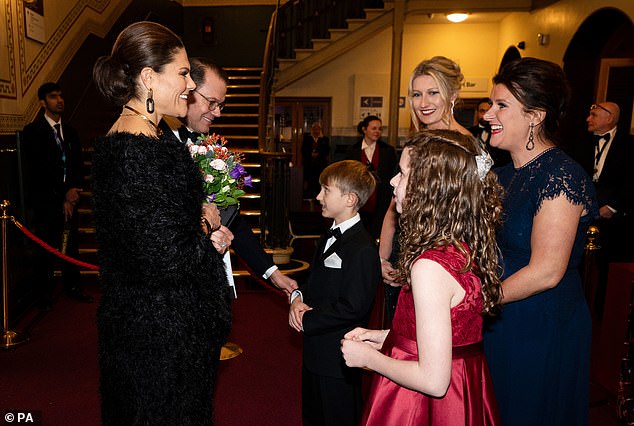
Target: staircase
<point>320,50</point>
<point>239,125</point>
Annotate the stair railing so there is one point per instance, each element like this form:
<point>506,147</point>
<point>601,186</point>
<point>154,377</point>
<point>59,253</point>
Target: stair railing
<point>265,122</point>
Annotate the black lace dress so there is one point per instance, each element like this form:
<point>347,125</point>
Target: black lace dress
<point>164,313</point>
<point>539,348</point>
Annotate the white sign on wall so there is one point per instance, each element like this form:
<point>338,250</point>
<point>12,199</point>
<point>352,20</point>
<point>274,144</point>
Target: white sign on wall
<point>475,84</point>
<point>369,97</point>
<point>34,24</point>
<point>370,105</point>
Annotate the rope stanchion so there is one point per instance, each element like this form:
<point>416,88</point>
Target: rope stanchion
<point>9,338</point>
<point>51,249</point>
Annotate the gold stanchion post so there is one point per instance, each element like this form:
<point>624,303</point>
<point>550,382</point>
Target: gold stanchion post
<point>9,338</point>
<point>590,275</point>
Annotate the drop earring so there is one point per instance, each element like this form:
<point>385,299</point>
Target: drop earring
<point>452,105</point>
<point>530,145</point>
<point>149,102</point>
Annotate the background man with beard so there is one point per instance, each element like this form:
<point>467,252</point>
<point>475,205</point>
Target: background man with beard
<point>53,171</point>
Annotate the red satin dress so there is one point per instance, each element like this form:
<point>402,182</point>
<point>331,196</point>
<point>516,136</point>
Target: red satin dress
<point>470,399</point>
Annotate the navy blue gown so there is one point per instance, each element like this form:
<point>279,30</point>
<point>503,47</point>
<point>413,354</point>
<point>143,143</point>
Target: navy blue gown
<point>538,348</point>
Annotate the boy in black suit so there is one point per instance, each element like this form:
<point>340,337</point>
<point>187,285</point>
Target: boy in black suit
<point>337,297</point>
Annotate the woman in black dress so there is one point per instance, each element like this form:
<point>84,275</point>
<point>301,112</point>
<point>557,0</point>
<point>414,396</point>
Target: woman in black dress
<point>164,312</point>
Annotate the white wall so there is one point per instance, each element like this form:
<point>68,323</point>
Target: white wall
<point>337,80</point>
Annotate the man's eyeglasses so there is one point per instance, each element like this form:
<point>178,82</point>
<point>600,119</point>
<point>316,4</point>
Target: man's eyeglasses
<point>212,104</point>
<point>595,106</point>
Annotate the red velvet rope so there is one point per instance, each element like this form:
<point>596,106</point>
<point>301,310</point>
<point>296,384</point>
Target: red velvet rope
<point>52,250</point>
<point>61,255</point>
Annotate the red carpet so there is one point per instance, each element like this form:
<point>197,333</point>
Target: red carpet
<point>55,376</point>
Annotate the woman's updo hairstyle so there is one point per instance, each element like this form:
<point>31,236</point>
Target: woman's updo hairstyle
<point>447,75</point>
<point>538,85</point>
<point>142,44</point>
<point>363,124</point>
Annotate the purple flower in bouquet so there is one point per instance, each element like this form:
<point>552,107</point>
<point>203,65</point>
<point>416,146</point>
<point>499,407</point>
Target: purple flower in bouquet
<point>223,175</point>
<point>237,171</point>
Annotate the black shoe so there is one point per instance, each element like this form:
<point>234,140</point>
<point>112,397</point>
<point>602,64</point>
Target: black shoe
<point>80,296</point>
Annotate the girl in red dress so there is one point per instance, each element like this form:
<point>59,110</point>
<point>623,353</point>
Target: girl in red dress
<point>430,367</point>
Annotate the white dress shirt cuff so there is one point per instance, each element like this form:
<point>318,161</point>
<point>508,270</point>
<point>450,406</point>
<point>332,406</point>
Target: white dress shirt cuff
<point>269,272</point>
<point>295,294</point>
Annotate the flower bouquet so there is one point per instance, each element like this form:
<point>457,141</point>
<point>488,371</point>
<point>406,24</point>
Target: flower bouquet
<point>223,175</point>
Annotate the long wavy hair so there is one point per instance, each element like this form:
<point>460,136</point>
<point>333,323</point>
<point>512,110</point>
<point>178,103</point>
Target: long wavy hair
<point>447,204</point>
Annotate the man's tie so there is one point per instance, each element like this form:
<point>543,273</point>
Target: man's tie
<point>599,152</point>
<point>58,136</point>
<point>60,144</point>
<point>334,232</point>
<point>184,134</point>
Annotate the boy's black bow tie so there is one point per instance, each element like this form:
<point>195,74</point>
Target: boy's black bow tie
<point>334,232</point>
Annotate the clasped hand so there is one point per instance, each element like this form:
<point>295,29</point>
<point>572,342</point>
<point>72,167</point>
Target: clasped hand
<point>360,344</point>
<point>296,313</point>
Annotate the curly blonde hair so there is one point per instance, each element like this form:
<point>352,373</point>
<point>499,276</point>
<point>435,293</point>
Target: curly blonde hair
<point>447,204</point>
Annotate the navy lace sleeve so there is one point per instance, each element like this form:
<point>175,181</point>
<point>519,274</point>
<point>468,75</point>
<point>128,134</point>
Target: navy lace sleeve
<point>558,174</point>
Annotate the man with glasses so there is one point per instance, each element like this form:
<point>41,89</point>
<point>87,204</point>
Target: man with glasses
<point>204,106</point>
<point>613,176</point>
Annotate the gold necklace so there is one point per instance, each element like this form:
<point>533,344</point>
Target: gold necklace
<point>159,132</point>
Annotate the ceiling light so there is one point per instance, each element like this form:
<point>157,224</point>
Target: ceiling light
<point>457,17</point>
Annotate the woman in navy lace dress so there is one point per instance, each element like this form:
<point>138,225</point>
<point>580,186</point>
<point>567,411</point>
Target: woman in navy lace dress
<point>538,348</point>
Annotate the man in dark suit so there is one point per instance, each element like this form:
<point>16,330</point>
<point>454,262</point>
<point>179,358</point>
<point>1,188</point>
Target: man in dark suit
<point>53,171</point>
<point>381,159</point>
<point>337,297</point>
<point>609,161</point>
<point>205,104</point>
<point>482,132</point>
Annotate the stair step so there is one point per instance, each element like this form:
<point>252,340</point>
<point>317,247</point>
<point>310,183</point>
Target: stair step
<point>240,105</point>
<point>243,69</point>
<point>222,125</point>
<point>301,54</point>
<point>244,86</point>
<point>240,115</point>
<point>248,150</point>
<point>243,77</point>
<point>356,23</point>
<point>319,43</point>
<point>284,63</point>
<point>234,137</point>
<point>371,14</point>
<point>242,95</point>
<point>337,33</point>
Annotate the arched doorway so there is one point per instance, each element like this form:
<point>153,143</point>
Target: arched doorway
<point>607,33</point>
